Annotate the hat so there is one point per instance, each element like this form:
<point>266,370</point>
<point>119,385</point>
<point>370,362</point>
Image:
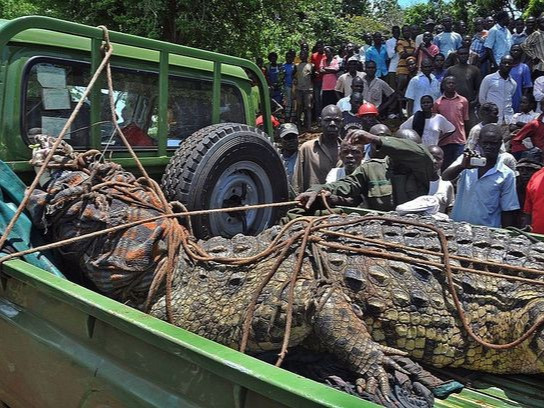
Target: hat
<point>353,58</point>
<point>367,109</point>
<point>287,129</point>
<point>429,21</point>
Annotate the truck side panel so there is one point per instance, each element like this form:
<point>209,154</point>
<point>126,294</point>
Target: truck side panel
<point>65,346</point>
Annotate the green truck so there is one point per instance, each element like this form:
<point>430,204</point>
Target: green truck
<point>62,345</point>
<point>189,115</point>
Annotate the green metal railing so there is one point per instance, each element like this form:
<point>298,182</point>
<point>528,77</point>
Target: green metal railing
<point>14,27</point>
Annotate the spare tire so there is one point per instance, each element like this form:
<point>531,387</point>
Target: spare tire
<point>227,165</point>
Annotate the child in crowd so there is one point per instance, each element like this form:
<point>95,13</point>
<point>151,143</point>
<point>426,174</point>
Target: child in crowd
<point>273,75</point>
<point>304,90</point>
<point>288,69</point>
<point>527,113</point>
<point>439,70</point>
<point>351,156</point>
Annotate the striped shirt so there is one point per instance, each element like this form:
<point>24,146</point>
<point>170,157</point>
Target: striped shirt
<point>478,41</point>
<point>534,48</point>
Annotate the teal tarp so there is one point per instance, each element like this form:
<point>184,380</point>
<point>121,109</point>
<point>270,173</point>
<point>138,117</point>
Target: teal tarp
<point>22,237</point>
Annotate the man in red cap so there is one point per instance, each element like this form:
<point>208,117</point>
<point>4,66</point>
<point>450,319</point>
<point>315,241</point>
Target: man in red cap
<point>369,115</point>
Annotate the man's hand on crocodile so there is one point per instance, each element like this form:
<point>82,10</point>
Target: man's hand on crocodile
<point>308,198</point>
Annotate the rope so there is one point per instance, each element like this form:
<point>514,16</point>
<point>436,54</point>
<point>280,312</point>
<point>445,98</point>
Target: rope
<point>177,236</point>
<point>449,276</point>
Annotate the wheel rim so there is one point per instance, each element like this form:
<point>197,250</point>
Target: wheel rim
<point>243,183</point>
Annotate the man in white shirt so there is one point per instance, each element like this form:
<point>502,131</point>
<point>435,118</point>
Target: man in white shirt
<point>390,46</point>
<point>357,85</point>
<point>424,83</point>
<point>499,88</point>
<point>441,189</point>
<point>344,81</point>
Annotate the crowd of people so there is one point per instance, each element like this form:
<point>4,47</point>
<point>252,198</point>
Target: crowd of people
<point>435,120</point>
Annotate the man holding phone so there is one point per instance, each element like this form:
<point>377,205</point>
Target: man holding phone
<point>486,190</point>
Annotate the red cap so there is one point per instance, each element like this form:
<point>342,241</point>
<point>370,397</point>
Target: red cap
<point>367,109</point>
<point>259,121</point>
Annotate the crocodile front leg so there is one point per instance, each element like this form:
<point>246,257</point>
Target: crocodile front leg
<point>340,330</point>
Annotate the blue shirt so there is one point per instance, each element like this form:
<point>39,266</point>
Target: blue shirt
<point>420,86</point>
<point>522,75</point>
<point>289,163</point>
<point>481,201</point>
<point>518,39</point>
<point>448,42</point>
<point>380,58</point>
<point>499,40</point>
<point>477,45</point>
<point>273,73</point>
<point>440,75</point>
<point>289,71</point>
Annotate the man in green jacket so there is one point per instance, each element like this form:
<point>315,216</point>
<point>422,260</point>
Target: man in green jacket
<point>399,171</point>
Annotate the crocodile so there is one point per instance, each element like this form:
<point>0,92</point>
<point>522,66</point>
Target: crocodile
<point>365,309</point>
<point>385,295</point>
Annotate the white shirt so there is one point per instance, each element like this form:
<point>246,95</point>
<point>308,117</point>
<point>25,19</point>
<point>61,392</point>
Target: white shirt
<point>538,91</point>
<point>524,117</point>
<point>474,136</point>
<point>420,86</point>
<point>419,40</point>
<point>344,104</point>
<point>435,126</point>
<point>336,174</point>
<point>390,46</point>
<point>496,89</point>
<point>443,191</point>
<point>344,81</point>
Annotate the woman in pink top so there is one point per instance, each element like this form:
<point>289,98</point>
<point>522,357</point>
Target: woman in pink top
<point>329,68</point>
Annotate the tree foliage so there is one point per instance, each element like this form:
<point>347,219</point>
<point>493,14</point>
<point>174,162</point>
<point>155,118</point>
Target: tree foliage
<point>238,27</point>
<point>16,8</point>
<point>531,7</point>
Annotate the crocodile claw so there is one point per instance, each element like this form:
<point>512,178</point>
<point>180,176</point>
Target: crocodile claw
<point>392,351</point>
<point>389,363</point>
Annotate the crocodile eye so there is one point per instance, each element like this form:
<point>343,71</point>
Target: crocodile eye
<point>236,279</point>
<point>337,261</point>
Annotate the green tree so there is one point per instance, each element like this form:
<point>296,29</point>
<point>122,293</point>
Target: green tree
<point>532,7</point>
<point>11,9</point>
<point>387,12</point>
<point>418,13</point>
<point>238,27</point>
